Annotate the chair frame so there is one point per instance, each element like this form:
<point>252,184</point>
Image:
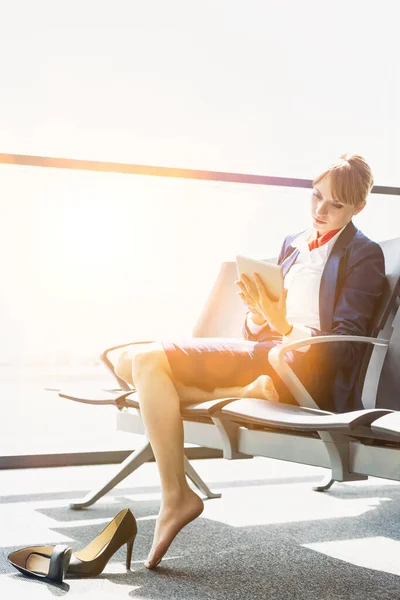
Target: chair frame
<point>348,454</point>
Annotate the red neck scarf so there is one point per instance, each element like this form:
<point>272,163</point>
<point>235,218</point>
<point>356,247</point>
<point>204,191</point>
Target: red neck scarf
<point>316,241</point>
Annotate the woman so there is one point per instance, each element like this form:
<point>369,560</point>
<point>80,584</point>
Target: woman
<point>333,278</point>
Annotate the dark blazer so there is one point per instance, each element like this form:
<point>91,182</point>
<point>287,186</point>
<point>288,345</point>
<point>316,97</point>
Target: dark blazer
<point>351,284</point>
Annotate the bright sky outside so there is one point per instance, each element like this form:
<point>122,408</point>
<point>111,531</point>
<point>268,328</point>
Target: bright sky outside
<point>265,87</point>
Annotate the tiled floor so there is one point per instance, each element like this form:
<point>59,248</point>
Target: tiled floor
<point>267,511</point>
<point>340,545</point>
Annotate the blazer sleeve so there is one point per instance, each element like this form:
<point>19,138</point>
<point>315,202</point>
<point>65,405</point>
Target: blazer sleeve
<point>360,290</point>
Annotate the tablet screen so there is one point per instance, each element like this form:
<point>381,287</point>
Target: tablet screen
<point>270,273</point>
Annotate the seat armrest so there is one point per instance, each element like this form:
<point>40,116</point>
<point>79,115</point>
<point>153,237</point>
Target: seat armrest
<point>206,409</point>
<point>108,350</point>
<point>119,398</point>
<point>276,358</point>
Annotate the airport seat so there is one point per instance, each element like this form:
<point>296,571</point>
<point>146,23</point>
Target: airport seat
<point>351,445</point>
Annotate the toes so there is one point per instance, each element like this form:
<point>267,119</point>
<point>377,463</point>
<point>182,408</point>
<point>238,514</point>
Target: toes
<point>152,564</point>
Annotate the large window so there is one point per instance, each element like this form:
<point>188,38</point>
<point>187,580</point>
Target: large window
<point>91,259</point>
<point>94,259</point>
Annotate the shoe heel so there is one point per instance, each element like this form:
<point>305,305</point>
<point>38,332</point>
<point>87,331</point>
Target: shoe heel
<point>129,548</point>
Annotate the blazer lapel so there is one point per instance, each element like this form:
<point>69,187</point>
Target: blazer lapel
<point>289,260</point>
<point>327,291</point>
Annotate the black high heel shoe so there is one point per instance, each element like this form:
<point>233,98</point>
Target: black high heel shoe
<point>92,559</point>
<point>42,562</point>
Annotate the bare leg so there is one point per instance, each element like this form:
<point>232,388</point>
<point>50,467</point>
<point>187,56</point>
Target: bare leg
<point>262,387</point>
<point>160,410</point>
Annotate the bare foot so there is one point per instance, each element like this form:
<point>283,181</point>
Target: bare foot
<point>171,520</point>
<point>262,387</point>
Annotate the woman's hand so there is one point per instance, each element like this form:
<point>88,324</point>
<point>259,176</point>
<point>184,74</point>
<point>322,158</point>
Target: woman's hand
<point>255,295</point>
<point>256,315</point>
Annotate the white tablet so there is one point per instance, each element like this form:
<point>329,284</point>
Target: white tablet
<point>270,273</point>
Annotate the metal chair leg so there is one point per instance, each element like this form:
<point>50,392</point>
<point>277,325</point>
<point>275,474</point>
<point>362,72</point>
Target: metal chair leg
<point>337,446</point>
<point>130,464</point>
<point>325,484</point>
<point>197,480</point>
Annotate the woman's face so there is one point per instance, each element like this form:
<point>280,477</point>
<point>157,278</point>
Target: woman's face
<point>327,213</point>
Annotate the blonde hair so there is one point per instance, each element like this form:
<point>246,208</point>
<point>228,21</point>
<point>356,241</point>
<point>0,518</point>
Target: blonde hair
<point>351,179</point>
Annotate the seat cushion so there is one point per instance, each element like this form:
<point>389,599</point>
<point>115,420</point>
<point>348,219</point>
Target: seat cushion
<point>266,412</point>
